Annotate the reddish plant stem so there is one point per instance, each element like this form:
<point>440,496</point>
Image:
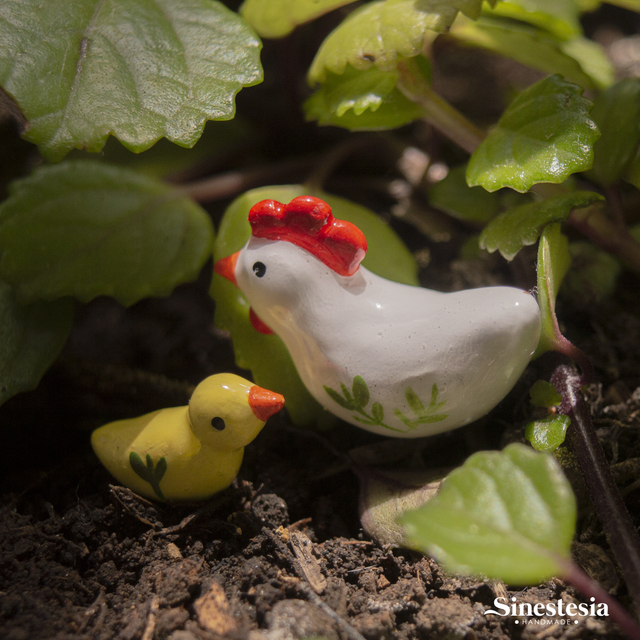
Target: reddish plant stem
<point>589,588</point>
<point>612,512</point>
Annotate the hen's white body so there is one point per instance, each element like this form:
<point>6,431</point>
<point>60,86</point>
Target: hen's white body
<point>391,358</point>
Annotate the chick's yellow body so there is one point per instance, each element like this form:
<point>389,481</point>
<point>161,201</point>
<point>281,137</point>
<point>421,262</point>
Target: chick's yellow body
<point>194,471</point>
<point>191,452</point>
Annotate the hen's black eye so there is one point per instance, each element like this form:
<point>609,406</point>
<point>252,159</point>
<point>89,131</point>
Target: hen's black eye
<point>259,269</point>
<point>218,423</point>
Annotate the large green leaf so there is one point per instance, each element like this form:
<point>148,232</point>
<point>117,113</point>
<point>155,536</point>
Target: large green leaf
<point>509,515</point>
<point>86,229</point>
<point>544,135</point>
<point>381,32</point>
<point>265,355</point>
<point>31,337</point>
<point>362,100</point>
<point>531,46</point>
<point>520,227</point>
<point>617,114</point>
<point>137,69</point>
<point>277,18</point>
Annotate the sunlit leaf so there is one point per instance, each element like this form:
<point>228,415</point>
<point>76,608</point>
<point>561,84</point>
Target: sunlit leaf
<point>31,337</point>
<point>265,355</point>
<point>361,100</point>
<point>137,69</point>
<point>533,47</point>
<point>593,59</point>
<point>509,515</point>
<point>381,32</point>
<point>544,135</point>
<point>617,114</point>
<point>548,433</point>
<point>560,17</point>
<point>86,229</point>
<point>521,226</point>
<point>277,18</point>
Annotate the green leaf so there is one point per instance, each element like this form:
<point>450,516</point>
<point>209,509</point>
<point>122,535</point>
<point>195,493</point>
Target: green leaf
<point>544,135</point>
<point>593,59</point>
<point>381,32</point>
<point>377,411</point>
<point>265,355</point>
<point>533,47</point>
<point>277,18</point>
<point>548,433</point>
<point>521,226</point>
<point>360,392</point>
<point>160,470</point>
<point>594,276</point>
<point>138,466</point>
<point>544,394</point>
<point>560,17</point>
<point>472,204</point>
<point>97,229</point>
<point>338,399</point>
<point>31,337</point>
<point>137,69</point>
<point>509,515</point>
<point>361,100</point>
<point>554,261</point>
<point>617,114</point>
<point>414,401</point>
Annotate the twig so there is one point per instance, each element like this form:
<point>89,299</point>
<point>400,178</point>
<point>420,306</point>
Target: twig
<point>226,185</point>
<point>590,588</point>
<point>151,620</point>
<point>612,512</point>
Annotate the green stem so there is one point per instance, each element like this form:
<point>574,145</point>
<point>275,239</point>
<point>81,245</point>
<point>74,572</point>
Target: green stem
<point>437,111</point>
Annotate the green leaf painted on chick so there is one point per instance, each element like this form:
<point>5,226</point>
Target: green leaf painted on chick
<point>544,135</point>
<point>137,69</point>
<point>31,337</point>
<point>152,474</point>
<point>85,229</point>
<point>509,515</point>
<point>265,355</point>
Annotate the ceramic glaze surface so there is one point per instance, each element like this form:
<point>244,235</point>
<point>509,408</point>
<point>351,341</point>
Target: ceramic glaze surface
<point>191,452</point>
<point>391,358</point>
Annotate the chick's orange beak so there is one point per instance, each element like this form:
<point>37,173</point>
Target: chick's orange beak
<point>264,403</point>
<point>226,267</point>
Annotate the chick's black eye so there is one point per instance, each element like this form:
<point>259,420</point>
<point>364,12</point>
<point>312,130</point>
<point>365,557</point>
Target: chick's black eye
<point>218,423</point>
<point>259,269</point>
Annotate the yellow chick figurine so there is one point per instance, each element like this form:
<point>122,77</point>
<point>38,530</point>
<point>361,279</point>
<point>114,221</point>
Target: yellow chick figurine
<point>192,452</point>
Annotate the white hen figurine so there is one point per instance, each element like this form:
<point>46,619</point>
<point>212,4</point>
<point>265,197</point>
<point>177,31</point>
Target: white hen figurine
<point>390,358</point>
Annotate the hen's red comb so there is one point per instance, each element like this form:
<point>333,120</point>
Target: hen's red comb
<point>308,223</point>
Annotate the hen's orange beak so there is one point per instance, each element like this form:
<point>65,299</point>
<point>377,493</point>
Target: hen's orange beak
<point>264,403</point>
<point>226,267</point>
